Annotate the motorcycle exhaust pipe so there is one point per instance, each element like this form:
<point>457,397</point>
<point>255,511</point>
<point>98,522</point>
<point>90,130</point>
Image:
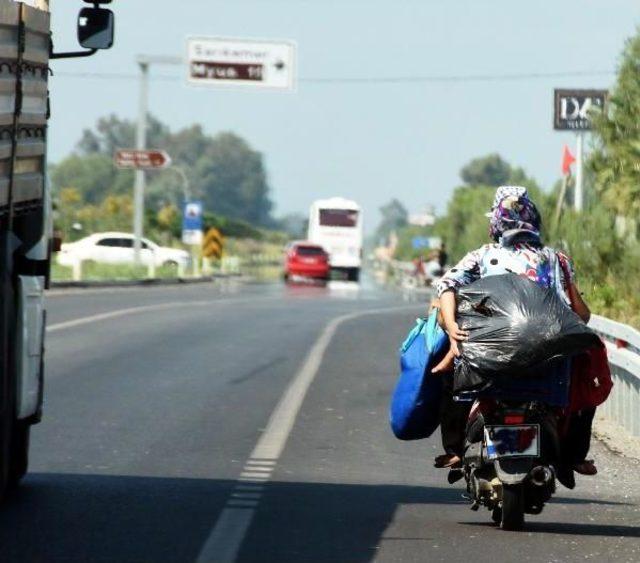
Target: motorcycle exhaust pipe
<point>541,476</point>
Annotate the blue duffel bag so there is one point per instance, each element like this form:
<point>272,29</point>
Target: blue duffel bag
<point>415,405</point>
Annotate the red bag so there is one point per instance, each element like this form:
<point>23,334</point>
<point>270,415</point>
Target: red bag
<point>591,381</point>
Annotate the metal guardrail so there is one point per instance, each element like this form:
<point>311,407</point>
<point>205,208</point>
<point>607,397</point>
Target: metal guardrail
<point>623,347</point>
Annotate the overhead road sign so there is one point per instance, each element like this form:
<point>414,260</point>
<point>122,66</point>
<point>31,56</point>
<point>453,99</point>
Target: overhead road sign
<point>213,244</point>
<point>226,62</point>
<point>573,108</point>
<point>192,223</point>
<point>130,159</point>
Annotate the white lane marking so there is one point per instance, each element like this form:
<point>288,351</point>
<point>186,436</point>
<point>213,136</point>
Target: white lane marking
<point>145,309</point>
<point>257,476</point>
<point>229,531</point>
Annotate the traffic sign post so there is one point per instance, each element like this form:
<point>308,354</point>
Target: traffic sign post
<point>140,160</point>
<point>226,62</point>
<point>213,244</point>
<point>573,113</point>
<point>192,220</point>
<point>192,223</point>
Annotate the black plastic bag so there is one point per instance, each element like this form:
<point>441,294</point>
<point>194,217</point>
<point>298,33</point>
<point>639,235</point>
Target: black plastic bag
<point>515,328</point>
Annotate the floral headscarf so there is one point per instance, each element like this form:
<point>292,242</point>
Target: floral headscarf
<point>514,214</point>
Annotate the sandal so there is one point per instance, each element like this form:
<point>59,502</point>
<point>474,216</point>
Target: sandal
<point>447,461</point>
<point>453,462</point>
<point>441,460</point>
<point>587,467</point>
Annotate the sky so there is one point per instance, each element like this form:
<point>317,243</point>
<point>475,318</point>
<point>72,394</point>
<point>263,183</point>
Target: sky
<point>369,141</point>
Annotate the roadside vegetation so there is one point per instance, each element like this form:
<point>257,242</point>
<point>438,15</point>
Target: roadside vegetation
<point>224,171</point>
<point>603,240</point>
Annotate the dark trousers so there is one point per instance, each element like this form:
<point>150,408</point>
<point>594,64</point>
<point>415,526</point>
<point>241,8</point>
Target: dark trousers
<point>453,418</point>
<point>577,440</point>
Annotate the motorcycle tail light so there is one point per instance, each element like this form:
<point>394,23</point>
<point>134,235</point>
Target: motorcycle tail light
<point>514,418</point>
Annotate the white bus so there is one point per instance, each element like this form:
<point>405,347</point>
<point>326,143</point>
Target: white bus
<point>336,225</point>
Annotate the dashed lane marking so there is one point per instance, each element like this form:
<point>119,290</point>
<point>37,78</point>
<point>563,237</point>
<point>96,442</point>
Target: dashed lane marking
<point>229,531</point>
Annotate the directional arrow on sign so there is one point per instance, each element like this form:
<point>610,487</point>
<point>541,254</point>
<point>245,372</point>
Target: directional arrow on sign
<point>130,159</point>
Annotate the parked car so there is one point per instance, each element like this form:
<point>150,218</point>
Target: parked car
<point>117,248</point>
<point>307,260</point>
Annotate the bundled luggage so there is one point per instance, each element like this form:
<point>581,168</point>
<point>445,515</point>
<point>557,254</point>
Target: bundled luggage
<point>517,330</point>
<point>415,405</point>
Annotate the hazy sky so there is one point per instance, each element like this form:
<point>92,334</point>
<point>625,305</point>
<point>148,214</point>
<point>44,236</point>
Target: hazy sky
<point>368,141</point>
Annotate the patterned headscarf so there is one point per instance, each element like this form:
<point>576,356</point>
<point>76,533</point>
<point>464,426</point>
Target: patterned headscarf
<point>514,213</point>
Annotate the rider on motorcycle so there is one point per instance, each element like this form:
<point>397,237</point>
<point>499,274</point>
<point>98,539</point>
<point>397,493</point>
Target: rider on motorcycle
<point>515,225</point>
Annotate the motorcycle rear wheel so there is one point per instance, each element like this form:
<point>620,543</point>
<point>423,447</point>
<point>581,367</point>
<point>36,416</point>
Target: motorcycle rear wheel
<point>512,507</point>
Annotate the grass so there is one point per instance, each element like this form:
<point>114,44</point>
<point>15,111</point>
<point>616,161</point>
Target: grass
<point>91,271</point>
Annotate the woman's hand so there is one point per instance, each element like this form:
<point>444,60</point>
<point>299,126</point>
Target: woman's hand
<point>448,309</point>
<point>456,334</point>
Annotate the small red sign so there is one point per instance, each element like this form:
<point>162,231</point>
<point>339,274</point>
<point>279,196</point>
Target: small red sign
<point>130,159</point>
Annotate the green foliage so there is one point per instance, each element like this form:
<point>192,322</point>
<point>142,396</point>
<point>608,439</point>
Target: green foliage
<point>394,218</point>
<point>295,225</point>
<point>616,162</point>
<point>223,171</point>
<point>465,226</point>
<point>231,178</point>
<point>607,266</point>
<point>489,170</point>
<point>405,250</point>
<point>93,176</point>
<point>232,227</point>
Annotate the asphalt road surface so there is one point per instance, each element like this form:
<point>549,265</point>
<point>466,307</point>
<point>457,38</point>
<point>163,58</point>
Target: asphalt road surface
<point>250,423</point>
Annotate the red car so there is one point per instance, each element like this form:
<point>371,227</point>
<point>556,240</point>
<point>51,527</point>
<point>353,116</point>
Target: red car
<point>305,259</point>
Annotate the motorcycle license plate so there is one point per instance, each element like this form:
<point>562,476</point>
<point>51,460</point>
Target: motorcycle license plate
<point>512,441</point>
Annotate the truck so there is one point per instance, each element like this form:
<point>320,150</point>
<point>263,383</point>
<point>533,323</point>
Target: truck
<point>26,217</point>
<point>336,225</point>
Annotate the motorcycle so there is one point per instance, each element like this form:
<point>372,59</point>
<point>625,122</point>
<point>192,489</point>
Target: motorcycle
<point>512,458</point>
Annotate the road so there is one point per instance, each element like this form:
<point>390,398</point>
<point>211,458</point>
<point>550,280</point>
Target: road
<point>211,423</point>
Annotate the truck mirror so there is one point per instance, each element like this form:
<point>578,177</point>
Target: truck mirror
<point>96,28</point>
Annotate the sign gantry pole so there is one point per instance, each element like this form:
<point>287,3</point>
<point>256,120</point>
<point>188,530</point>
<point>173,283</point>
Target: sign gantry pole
<point>144,62</point>
<point>579,190</point>
<point>141,142</point>
<point>572,112</point>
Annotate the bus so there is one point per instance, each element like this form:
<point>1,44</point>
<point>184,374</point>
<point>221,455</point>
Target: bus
<point>336,225</point>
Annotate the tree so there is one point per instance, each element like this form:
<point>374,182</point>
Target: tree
<point>295,225</point>
<point>489,170</point>
<point>224,171</point>
<point>231,177</point>
<point>616,161</point>
<point>394,218</point>
<point>94,177</point>
<point>465,226</point>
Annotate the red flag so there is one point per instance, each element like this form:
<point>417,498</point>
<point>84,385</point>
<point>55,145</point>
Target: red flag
<point>567,160</point>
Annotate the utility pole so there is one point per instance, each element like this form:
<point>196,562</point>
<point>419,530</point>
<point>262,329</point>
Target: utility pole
<point>144,62</point>
<point>141,144</point>
<point>579,189</point>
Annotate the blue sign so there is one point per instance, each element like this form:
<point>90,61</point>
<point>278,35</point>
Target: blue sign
<point>426,242</point>
<point>192,223</point>
<point>421,242</point>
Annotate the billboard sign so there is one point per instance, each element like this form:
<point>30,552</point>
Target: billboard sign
<point>192,223</point>
<point>573,107</point>
<point>224,62</point>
